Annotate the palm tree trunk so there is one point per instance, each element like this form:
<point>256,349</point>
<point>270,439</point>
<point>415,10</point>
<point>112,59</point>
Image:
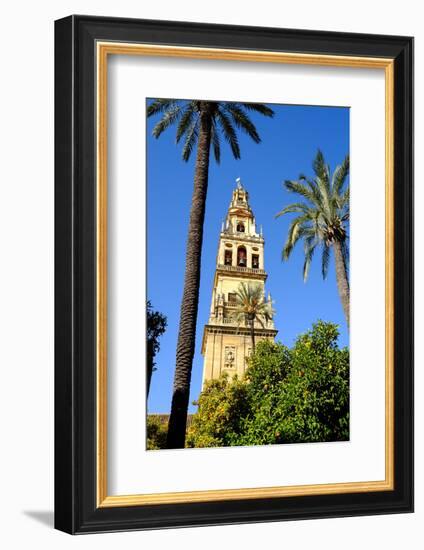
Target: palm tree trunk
<point>189,305</point>
<point>342,279</point>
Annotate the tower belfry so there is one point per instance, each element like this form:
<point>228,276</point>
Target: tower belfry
<point>226,345</point>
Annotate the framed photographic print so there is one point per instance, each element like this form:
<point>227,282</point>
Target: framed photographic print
<point>234,274</point>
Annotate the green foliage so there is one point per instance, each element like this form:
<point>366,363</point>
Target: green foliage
<point>251,305</point>
<point>156,433</point>
<point>292,395</point>
<point>323,214</point>
<point>226,118</point>
<point>222,406</point>
<point>156,326</point>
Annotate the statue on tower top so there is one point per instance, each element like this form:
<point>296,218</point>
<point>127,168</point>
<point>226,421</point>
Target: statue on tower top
<point>239,185</point>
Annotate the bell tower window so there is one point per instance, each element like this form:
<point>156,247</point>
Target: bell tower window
<point>241,256</point>
<point>228,258</point>
<point>232,298</point>
<point>255,261</point>
<point>240,227</point>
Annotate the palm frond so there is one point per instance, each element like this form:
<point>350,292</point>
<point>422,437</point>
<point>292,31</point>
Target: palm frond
<point>225,117</point>
<point>296,231</point>
<point>242,121</point>
<point>170,117</point>
<point>339,176</point>
<point>159,106</point>
<point>228,131</point>
<point>325,260</point>
<point>323,198</point>
<point>191,138</point>
<point>259,108</point>
<point>294,208</point>
<point>185,122</point>
<point>310,246</point>
<point>321,169</point>
<point>300,188</point>
<point>319,196</point>
<point>322,183</point>
<point>250,302</point>
<point>343,200</point>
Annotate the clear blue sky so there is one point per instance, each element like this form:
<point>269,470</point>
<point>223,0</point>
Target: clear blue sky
<point>289,143</point>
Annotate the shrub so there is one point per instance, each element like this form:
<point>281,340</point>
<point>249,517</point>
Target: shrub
<point>222,406</point>
<point>156,433</point>
<point>288,395</point>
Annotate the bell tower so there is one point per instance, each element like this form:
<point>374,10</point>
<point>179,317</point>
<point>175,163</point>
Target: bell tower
<point>226,345</point>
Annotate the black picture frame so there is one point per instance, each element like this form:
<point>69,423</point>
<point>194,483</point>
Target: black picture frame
<point>76,510</point>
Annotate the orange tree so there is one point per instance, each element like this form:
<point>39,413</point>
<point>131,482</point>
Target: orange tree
<point>288,395</point>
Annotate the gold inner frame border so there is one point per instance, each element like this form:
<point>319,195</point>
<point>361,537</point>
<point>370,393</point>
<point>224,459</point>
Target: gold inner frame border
<point>103,50</point>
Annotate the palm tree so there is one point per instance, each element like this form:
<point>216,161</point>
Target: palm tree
<point>251,306</point>
<point>200,123</point>
<point>322,221</point>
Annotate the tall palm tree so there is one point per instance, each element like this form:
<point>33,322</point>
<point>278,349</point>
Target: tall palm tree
<point>251,306</point>
<point>200,123</point>
<point>322,221</point>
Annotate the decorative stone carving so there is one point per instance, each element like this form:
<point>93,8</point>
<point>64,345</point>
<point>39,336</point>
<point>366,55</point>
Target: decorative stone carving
<point>230,357</point>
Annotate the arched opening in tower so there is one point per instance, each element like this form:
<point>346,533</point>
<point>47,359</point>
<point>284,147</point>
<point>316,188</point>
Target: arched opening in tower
<point>240,227</point>
<point>241,256</point>
<point>228,258</point>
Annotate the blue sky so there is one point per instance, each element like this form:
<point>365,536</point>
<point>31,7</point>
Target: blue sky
<point>289,144</point>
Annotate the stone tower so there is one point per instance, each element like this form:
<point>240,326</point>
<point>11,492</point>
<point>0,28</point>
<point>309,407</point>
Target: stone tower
<point>240,258</point>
